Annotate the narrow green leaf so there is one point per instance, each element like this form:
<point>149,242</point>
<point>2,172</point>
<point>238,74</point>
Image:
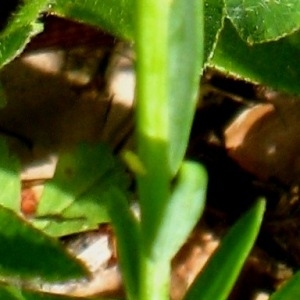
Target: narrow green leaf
<point>128,235</point>
<point>114,16</point>
<point>220,273</point>
<point>73,200</point>
<point>22,25</point>
<point>183,211</point>
<point>260,21</point>
<point>275,64</point>
<point>27,253</point>
<point>290,290</point>
<point>185,60</point>
<point>9,178</point>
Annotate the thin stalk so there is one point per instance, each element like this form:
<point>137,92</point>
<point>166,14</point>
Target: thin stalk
<point>152,117</point>
<point>152,111</point>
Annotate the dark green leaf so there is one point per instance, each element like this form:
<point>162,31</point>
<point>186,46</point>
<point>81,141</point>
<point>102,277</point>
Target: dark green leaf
<point>27,253</point>
<point>260,21</point>
<point>220,273</point>
<point>114,16</point>
<point>275,64</point>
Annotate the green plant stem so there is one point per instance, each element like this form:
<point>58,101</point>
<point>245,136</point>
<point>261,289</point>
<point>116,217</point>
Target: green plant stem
<point>152,112</point>
<point>155,279</point>
<point>152,139</point>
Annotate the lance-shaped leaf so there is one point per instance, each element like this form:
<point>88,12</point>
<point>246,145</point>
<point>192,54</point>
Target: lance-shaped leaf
<point>185,60</point>
<point>221,271</point>
<point>27,253</point>
<point>183,210</point>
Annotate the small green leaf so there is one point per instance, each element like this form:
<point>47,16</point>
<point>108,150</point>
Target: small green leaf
<point>114,16</point>
<point>185,60</point>
<point>259,21</point>
<point>9,178</point>
<point>183,211</point>
<point>73,200</point>
<point>22,25</point>
<point>275,64</point>
<point>290,290</point>
<point>27,253</point>
<point>221,271</point>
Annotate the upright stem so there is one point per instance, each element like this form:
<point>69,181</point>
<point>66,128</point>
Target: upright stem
<point>152,111</point>
<point>152,138</point>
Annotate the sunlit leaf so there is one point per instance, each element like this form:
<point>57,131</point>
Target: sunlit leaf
<point>73,200</point>
<point>27,253</point>
<point>260,21</point>
<point>221,271</point>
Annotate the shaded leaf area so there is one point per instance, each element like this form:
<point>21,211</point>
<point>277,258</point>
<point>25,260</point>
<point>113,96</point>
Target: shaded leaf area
<point>9,178</point>
<point>220,273</point>
<point>290,290</point>
<point>115,16</point>
<point>275,64</point>
<point>9,292</point>
<point>75,199</point>
<point>22,25</point>
<point>259,21</point>
<point>27,253</point>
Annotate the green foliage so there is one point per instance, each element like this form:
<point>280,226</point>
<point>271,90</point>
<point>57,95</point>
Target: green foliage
<point>22,25</point>
<point>290,290</point>
<point>220,273</point>
<point>173,41</point>
<point>74,200</point>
